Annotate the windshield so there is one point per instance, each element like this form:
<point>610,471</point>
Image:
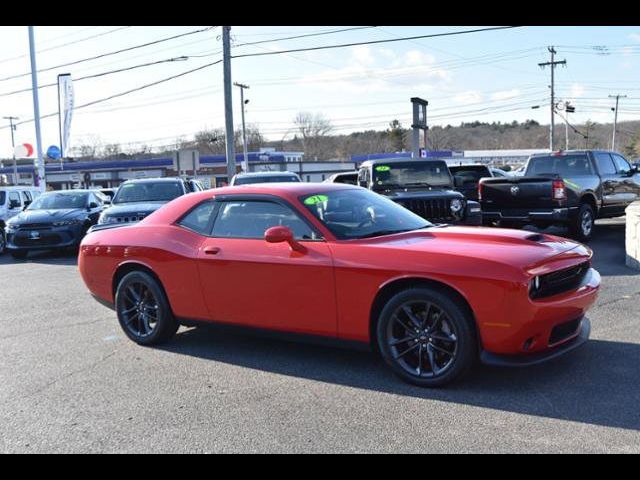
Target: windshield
<point>563,165</point>
<point>411,173</point>
<point>60,201</point>
<point>361,213</point>
<point>148,192</point>
<point>264,179</point>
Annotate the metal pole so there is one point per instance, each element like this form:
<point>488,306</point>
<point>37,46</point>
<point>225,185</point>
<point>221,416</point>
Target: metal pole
<point>615,120</point>
<point>12,127</point>
<point>566,131</point>
<point>244,131</point>
<point>60,127</point>
<point>228,105</point>
<point>40,180</point>
<point>553,100</point>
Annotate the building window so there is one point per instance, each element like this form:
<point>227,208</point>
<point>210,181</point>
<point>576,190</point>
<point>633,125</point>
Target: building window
<point>308,178</point>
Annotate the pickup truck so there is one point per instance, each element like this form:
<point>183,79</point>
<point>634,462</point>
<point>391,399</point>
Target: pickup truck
<point>423,186</point>
<point>571,188</point>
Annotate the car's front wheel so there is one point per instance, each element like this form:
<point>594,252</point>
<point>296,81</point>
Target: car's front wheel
<point>426,337</point>
<point>143,309</point>
<point>3,241</point>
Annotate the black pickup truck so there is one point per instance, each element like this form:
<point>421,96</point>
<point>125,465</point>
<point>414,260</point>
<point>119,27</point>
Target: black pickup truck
<point>571,188</point>
<point>423,186</point>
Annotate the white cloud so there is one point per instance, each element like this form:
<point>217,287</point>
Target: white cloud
<point>362,55</point>
<point>635,37</point>
<point>577,90</point>
<point>506,94</point>
<point>470,96</point>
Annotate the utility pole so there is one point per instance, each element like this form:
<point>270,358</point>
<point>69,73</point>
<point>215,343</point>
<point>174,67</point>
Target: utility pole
<point>40,180</point>
<point>13,147</point>
<point>553,63</point>
<point>228,104</point>
<point>245,165</point>
<point>615,119</point>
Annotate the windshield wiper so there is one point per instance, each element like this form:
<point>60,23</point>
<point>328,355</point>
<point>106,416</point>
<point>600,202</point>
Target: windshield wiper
<point>418,184</point>
<point>380,233</point>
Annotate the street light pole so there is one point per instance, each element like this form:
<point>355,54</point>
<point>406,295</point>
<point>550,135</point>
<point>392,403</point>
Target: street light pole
<point>40,180</point>
<point>228,105</point>
<point>245,165</point>
<point>615,119</point>
<point>13,147</point>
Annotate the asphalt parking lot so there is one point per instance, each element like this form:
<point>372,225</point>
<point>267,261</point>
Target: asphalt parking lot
<point>72,382</point>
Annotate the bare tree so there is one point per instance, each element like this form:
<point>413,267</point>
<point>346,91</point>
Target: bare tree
<point>313,128</point>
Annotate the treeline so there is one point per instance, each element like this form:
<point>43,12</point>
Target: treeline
<point>315,135</point>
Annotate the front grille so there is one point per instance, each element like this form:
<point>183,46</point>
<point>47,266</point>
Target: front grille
<point>563,331</point>
<point>430,209</point>
<point>130,219</point>
<point>42,241</point>
<point>561,281</point>
<point>34,226</point>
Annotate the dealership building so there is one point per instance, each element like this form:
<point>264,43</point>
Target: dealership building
<point>212,168</point>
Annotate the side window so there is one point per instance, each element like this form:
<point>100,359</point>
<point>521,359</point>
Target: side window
<point>26,197</point>
<point>14,198</point>
<point>363,176</point>
<point>250,219</point>
<point>621,164</point>
<point>605,163</point>
<point>199,218</point>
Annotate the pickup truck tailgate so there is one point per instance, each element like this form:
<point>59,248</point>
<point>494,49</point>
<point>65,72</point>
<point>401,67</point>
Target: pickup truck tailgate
<point>517,192</point>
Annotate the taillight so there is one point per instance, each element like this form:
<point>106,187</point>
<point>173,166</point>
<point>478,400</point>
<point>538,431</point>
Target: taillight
<point>558,190</point>
<point>480,190</point>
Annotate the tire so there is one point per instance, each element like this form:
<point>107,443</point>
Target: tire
<point>3,241</point>
<point>150,322</point>
<point>581,227</point>
<point>20,254</point>
<point>441,317</point>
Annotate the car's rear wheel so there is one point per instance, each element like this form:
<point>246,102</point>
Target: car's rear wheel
<point>143,309</point>
<point>19,254</point>
<point>581,228</point>
<point>426,337</point>
<point>3,241</point>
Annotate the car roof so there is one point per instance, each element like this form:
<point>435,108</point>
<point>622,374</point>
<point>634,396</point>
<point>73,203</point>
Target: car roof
<point>79,190</point>
<point>399,160</point>
<point>265,174</point>
<point>154,180</point>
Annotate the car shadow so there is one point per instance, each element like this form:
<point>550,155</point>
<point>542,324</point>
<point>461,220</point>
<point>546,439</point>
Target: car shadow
<point>597,384</point>
<point>49,257</point>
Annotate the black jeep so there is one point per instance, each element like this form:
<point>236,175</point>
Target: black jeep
<point>423,186</point>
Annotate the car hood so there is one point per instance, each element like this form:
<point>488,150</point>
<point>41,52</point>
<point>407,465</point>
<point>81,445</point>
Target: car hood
<point>133,208</point>
<point>420,194</point>
<point>48,216</point>
<point>520,249</point>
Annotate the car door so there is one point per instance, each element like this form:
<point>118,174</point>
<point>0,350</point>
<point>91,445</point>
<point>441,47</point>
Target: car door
<point>630,181</point>
<point>247,281</point>
<point>95,206</point>
<point>612,185</point>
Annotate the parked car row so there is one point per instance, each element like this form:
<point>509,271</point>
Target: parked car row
<point>59,220</point>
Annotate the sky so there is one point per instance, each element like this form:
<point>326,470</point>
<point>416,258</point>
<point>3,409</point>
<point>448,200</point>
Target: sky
<point>485,76</point>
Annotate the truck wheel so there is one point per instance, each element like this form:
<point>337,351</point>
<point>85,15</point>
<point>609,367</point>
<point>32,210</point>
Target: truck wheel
<point>582,225</point>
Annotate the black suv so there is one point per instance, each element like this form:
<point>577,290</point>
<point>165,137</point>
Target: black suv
<point>570,188</point>
<point>423,186</point>
<point>136,199</point>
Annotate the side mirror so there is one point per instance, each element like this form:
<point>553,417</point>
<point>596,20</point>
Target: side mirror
<point>107,201</point>
<point>93,205</point>
<point>283,234</point>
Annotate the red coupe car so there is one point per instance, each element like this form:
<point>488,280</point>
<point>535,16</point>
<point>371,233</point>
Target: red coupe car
<point>344,263</point>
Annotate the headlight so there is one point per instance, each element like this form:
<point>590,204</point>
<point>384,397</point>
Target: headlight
<point>64,223</point>
<point>456,205</point>
<point>10,227</point>
<point>106,219</point>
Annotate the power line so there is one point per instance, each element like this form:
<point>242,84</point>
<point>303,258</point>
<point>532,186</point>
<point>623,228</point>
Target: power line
<point>137,89</point>
<point>101,74</point>
<point>372,42</point>
<point>329,32</point>
<point>102,55</point>
<point>68,43</point>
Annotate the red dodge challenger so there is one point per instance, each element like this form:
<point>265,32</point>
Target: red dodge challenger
<point>344,263</point>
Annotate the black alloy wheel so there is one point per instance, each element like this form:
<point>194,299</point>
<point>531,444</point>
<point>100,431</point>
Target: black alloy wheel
<point>143,310</point>
<point>426,337</point>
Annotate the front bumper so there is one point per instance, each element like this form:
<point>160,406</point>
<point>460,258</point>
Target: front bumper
<point>576,341</point>
<point>514,215</point>
<point>44,238</point>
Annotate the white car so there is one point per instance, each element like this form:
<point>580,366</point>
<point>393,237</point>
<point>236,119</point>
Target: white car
<point>264,177</point>
<point>12,201</point>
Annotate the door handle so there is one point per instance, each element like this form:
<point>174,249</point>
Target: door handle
<point>211,250</point>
